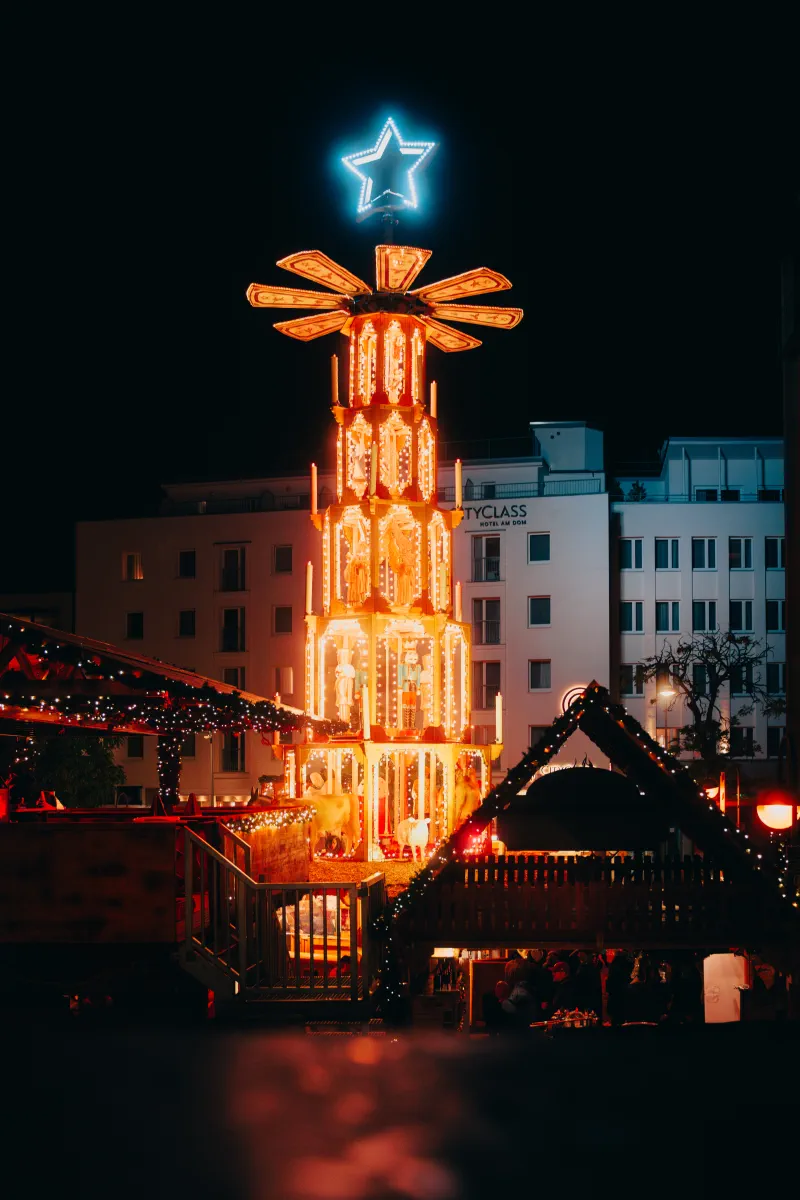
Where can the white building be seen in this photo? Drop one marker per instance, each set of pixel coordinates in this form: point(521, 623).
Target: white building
point(217, 583)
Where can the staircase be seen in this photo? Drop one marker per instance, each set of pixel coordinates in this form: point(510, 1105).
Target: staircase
point(254, 943)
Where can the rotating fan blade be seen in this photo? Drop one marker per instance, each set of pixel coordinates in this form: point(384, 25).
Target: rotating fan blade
point(262, 295)
point(478, 314)
point(305, 329)
point(448, 339)
point(314, 265)
point(471, 283)
point(396, 267)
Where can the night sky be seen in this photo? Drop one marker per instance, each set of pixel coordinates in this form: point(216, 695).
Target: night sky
point(641, 216)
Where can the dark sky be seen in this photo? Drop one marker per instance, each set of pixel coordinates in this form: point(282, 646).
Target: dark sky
point(640, 214)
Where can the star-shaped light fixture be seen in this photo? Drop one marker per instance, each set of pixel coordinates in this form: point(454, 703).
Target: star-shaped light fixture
point(387, 172)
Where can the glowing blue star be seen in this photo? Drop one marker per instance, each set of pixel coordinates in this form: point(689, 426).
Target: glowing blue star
point(387, 171)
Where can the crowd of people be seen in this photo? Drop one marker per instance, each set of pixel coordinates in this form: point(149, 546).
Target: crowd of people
point(618, 988)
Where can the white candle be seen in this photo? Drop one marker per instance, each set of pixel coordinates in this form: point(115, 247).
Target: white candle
point(458, 483)
point(334, 379)
point(365, 712)
point(498, 718)
point(373, 469)
point(309, 586)
point(434, 399)
point(458, 600)
point(313, 487)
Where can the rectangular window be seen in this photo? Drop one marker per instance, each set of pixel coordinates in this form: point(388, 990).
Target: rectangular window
point(485, 622)
point(232, 756)
point(536, 733)
point(704, 554)
point(668, 738)
point(232, 575)
point(132, 567)
point(189, 746)
point(630, 554)
point(235, 677)
point(776, 616)
point(282, 618)
point(186, 623)
point(667, 554)
point(539, 674)
point(134, 626)
point(742, 679)
point(668, 617)
point(284, 681)
point(538, 610)
point(770, 494)
point(740, 554)
point(742, 741)
point(775, 735)
point(485, 559)
point(776, 678)
point(187, 564)
point(489, 491)
point(631, 616)
point(741, 616)
point(282, 562)
point(135, 746)
point(631, 680)
point(729, 494)
point(775, 552)
point(700, 679)
point(485, 684)
point(705, 495)
point(232, 629)
point(704, 616)
point(538, 547)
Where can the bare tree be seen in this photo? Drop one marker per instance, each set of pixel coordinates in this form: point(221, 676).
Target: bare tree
point(701, 670)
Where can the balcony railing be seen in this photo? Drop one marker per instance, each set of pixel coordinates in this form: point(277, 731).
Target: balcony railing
point(485, 570)
point(708, 496)
point(486, 633)
point(522, 491)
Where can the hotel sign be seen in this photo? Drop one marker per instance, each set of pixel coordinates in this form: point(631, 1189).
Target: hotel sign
point(496, 516)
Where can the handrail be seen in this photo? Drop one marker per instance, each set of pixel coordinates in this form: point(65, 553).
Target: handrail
point(243, 845)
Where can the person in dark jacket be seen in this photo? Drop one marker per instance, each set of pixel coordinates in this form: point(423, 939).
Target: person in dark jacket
point(619, 977)
point(565, 996)
point(588, 986)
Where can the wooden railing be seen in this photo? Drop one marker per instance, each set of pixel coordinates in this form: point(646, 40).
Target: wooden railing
point(633, 901)
point(265, 941)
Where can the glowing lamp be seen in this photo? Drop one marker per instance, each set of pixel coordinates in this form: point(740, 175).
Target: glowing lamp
point(776, 809)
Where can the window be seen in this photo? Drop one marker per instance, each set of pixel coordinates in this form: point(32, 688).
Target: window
point(484, 735)
point(284, 681)
point(775, 552)
point(134, 625)
point(232, 756)
point(741, 616)
point(729, 494)
point(282, 562)
point(630, 616)
point(539, 674)
point(668, 738)
point(536, 733)
point(700, 679)
point(486, 622)
point(742, 745)
point(742, 679)
point(705, 495)
point(234, 676)
point(485, 559)
point(776, 678)
point(775, 736)
point(189, 746)
point(630, 554)
point(631, 680)
point(132, 567)
point(233, 569)
point(538, 610)
point(740, 554)
point(704, 616)
point(538, 547)
point(667, 616)
point(776, 616)
point(775, 494)
point(489, 492)
point(667, 554)
point(485, 684)
point(704, 554)
point(186, 626)
point(187, 564)
point(135, 746)
point(232, 629)
point(282, 618)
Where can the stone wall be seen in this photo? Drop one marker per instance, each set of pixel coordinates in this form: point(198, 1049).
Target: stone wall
point(280, 855)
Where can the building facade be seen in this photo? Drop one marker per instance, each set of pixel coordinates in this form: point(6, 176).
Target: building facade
point(561, 580)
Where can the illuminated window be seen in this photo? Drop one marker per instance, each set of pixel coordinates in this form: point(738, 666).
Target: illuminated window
point(394, 355)
point(132, 567)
